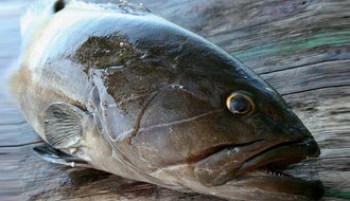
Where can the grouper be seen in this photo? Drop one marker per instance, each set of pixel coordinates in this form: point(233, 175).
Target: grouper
point(114, 87)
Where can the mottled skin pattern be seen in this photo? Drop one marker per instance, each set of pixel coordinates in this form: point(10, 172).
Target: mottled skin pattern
point(155, 96)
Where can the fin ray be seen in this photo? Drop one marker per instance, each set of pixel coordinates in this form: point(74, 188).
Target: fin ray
point(63, 126)
point(52, 155)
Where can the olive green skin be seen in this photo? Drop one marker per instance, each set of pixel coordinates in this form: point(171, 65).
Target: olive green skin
point(157, 94)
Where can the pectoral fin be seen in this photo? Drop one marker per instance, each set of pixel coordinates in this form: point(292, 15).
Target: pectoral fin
point(53, 155)
point(63, 125)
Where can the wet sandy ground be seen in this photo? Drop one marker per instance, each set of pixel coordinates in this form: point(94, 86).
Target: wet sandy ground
point(301, 47)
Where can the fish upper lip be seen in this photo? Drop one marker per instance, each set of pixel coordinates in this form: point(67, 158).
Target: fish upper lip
point(230, 163)
point(269, 158)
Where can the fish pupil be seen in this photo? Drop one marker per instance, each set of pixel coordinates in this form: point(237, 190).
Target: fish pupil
point(239, 105)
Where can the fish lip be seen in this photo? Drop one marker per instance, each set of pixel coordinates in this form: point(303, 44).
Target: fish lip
point(228, 164)
point(306, 148)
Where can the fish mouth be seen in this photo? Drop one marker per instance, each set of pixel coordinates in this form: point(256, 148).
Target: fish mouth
point(260, 165)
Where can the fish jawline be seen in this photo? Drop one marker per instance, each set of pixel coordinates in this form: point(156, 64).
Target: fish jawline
point(274, 183)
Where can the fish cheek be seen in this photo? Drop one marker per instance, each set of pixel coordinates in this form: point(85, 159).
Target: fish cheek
point(156, 148)
point(158, 140)
point(164, 146)
point(188, 142)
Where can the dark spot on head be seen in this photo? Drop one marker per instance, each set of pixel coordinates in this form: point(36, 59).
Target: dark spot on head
point(103, 52)
point(59, 5)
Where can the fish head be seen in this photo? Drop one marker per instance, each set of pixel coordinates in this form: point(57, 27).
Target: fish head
point(225, 125)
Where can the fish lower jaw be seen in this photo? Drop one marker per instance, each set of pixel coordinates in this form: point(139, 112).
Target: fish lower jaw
point(278, 181)
point(280, 186)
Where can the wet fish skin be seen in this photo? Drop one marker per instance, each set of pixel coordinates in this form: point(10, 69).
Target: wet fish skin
point(130, 93)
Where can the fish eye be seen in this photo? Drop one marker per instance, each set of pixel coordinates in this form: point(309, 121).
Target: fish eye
point(240, 103)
